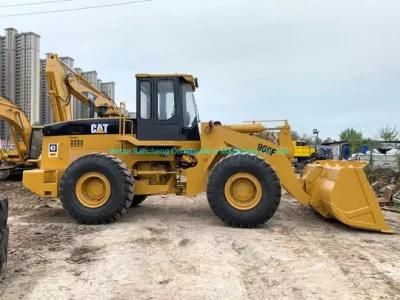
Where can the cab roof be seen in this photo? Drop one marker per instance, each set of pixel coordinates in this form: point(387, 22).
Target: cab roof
point(187, 77)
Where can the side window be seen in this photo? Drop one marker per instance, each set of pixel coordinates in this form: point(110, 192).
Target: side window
point(36, 144)
point(166, 107)
point(145, 100)
point(189, 106)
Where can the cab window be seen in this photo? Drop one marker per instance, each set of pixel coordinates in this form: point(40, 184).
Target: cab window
point(166, 105)
point(145, 100)
point(189, 106)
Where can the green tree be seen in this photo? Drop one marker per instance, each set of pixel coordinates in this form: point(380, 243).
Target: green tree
point(372, 144)
point(388, 133)
point(353, 137)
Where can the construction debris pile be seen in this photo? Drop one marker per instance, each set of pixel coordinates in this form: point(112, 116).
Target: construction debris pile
point(386, 184)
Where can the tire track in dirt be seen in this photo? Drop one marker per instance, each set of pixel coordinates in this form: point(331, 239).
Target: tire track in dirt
point(174, 247)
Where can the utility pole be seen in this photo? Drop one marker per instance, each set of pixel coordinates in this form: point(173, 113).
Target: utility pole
point(316, 133)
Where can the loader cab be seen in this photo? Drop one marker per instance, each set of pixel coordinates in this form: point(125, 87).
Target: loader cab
point(166, 107)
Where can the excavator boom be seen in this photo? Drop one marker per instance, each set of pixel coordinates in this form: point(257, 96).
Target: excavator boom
point(21, 130)
point(64, 82)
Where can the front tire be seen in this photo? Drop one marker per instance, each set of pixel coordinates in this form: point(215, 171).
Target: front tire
point(97, 189)
point(243, 190)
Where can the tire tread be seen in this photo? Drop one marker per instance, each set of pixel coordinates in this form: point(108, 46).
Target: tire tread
point(128, 188)
point(235, 161)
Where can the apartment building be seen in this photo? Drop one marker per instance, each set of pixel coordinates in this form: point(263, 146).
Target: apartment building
point(20, 73)
point(108, 88)
point(23, 79)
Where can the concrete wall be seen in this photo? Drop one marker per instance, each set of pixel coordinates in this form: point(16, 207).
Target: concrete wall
point(382, 161)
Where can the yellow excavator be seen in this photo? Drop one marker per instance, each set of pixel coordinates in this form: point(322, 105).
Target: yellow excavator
point(63, 82)
point(100, 167)
point(26, 138)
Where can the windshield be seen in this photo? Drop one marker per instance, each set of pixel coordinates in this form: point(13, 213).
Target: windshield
point(190, 114)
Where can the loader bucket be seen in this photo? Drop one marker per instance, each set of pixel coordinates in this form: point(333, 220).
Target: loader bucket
point(340, 190)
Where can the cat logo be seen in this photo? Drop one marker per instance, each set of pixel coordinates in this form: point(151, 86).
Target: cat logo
point(53, 150)
point(99, 128)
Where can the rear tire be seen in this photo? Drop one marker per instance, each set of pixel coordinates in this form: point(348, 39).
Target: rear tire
point(3, 212)
point(243, 190)
point(137, 199)
point(97, 189)
point(4, 234)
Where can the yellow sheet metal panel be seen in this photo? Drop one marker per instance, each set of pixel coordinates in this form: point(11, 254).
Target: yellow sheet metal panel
point(41, 182)
point(341, 190)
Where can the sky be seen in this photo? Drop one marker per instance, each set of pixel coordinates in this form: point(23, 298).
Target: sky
point(325, 64)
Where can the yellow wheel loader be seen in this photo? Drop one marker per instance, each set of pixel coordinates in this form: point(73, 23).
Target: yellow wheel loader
point(100, 167)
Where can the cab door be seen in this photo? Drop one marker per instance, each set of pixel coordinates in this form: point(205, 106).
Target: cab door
point(159, 109)
point(166, 110)
point(144, 110)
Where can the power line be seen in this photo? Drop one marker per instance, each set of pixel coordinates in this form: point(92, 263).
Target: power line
point(35, 3)
point(74, 9)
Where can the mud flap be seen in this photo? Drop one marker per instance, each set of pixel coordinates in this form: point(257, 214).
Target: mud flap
point(340, 190)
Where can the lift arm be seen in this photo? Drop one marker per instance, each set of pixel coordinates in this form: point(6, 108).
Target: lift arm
point(20, 126)
point(336, 189)
point(64, 82)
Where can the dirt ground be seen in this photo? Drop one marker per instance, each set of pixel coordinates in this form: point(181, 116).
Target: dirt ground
point(175, 248)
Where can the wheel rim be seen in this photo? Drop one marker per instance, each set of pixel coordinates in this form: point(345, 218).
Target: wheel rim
point(93, 190)
point(243, 191)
